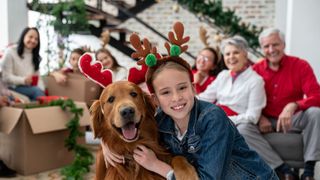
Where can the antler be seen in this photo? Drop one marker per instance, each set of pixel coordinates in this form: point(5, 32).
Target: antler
point(203, 36)
point(95, 72)
point(142, 49)
point(176, 38)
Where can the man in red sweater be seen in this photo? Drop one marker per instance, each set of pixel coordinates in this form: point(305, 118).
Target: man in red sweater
point(293, 101)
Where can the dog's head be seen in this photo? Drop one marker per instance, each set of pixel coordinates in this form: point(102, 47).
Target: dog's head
point(121, 108)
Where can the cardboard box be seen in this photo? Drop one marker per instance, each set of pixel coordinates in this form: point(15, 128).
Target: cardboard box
point(32, 140)
point(77, 88)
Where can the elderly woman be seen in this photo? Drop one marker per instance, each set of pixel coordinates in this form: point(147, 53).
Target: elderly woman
point(239, 91)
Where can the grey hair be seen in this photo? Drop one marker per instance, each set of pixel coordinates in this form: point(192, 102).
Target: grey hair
point(269, 31)
point(237, 41)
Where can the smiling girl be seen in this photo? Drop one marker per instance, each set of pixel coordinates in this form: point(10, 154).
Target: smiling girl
point(198, 130)
point(109, 61)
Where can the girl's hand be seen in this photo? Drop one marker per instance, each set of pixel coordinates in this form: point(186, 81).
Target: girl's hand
point(59, 77)
point(110, 157)
point(147, 159)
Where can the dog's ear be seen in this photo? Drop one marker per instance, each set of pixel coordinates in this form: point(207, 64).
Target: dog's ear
point(150, 104)
point(96, 118)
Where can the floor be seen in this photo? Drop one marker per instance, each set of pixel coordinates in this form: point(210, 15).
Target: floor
point(55, 175)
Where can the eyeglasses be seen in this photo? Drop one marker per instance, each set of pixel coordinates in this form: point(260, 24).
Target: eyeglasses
point(203, 58)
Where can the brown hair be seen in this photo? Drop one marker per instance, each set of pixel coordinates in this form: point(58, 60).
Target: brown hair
point(217, 61)
point(115, 62)
point(170, 62)
point(78, 51)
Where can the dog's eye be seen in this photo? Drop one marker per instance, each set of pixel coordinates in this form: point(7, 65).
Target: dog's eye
point(133, 94)
point(111, 99)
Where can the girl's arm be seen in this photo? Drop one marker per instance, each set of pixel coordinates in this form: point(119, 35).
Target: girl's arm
point(216, 144)
point(111, 158)
point(146, 158)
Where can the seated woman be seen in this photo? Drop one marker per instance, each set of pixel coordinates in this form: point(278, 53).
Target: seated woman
point(60, 75)
point(109, 61)
point(239, 91)
point(208, 65)
point(21, 65)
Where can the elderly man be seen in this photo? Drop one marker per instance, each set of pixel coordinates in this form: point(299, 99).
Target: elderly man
point(293, 101)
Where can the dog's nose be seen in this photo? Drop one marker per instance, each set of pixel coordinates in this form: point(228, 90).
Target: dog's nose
point(127, 112)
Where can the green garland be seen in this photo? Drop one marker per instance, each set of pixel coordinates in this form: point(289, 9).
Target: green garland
point(70, 16)
point(226, 20)
point(83, 158)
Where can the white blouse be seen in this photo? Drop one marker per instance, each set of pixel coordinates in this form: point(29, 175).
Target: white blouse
point(246, 95)
point(120, 74)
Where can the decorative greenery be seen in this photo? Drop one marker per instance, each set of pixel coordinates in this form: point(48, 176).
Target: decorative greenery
point(83, 158)
point(227, 21)
point(70, 16)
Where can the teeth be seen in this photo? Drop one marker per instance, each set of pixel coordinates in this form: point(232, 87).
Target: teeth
point(178, 107)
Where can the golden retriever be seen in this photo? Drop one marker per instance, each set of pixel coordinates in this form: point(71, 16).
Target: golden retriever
point(123, 118)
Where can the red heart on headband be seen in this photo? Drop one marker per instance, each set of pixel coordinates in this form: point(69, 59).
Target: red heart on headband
point(136, 75)
point(94, 71)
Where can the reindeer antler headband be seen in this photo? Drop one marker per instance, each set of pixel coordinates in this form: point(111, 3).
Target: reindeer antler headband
point(218, 38)
point(149, 56)
point(149, 59)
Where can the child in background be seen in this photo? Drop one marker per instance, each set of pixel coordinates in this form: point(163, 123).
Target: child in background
point(109, 61)
point(60, 76)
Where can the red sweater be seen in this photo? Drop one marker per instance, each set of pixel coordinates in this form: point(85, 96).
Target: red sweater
point(202, 87)
point(293, 82)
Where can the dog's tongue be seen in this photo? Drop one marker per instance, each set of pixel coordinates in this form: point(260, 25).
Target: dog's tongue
point(129, 131)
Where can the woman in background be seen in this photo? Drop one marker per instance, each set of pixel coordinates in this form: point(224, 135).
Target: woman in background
point(20, 69)
point(239, 91)
point(207, 67)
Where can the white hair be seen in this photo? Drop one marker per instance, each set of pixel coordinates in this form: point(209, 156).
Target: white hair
point(237, 41)
point(269, 31)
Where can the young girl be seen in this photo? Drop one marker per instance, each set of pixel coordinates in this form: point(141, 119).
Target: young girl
point(109, 61)
point(21, 65)
point(206, 69)
point(197, 130)
point(60, 76)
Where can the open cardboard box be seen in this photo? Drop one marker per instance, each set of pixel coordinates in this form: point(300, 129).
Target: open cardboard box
point(77, 88)
point(32, 140)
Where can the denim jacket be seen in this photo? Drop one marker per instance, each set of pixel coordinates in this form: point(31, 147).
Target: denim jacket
point(213, 145)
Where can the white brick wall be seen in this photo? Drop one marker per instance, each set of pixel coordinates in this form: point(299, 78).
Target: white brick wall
point(258, 12)
point(162, 15)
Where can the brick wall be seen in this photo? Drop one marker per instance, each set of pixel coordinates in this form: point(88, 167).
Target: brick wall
point(163, 14)
point(258, 12)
